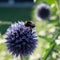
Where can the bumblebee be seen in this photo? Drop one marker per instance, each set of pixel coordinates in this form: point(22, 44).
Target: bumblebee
point(30, 24)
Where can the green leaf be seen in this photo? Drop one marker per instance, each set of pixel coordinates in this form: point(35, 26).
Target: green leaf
point(50, 1)
point(46, 38)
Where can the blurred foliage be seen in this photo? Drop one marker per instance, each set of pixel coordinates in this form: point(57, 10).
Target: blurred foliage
point(48, 31)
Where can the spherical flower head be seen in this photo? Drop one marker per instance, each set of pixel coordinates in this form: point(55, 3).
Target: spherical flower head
point(43, 12)
point(20, 40)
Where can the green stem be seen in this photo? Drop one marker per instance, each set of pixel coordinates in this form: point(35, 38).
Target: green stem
point(58, 9)
point(21, 57)
point(49, 52)
point(51, 48)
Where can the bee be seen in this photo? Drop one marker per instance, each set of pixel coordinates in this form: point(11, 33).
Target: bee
point(30, 24)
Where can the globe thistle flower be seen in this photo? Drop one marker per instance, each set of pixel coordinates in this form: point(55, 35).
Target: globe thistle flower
point(43, 12)
point(20, 40)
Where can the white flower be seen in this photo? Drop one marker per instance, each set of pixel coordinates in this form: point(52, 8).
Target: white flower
point(2, 41)
point(3, 53)
point(2, 58)
point(54, 54)
point(58, 37)
point(34, 1)
point(50, 36)
point(57, 41)
point(52, 5)
point(34, 57)
point(42, 33)
point(49, 25)
point(53, 18)
point(52, 30)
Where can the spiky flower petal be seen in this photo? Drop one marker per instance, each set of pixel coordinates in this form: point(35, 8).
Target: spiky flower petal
point(43, 12)
point(20, 40)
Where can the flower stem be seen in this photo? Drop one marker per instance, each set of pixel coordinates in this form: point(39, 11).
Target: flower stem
point(21, 57)
point(58, 9)
point(49, 52)
point(51, 48)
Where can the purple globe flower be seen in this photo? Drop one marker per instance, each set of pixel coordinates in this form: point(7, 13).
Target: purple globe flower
point(43, 12)
point(20, 40)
